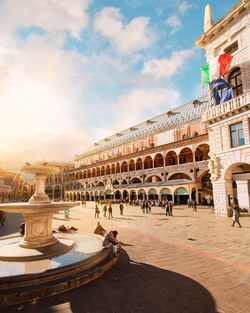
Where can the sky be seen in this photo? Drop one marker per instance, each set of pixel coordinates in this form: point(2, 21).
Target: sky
point(74, 72)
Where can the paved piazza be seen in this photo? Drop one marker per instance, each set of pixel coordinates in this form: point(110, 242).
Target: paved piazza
point(191, 262)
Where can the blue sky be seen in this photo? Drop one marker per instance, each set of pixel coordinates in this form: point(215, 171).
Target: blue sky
point(73, 72)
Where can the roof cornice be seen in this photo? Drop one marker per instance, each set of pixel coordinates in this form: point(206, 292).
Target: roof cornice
point(220, 25)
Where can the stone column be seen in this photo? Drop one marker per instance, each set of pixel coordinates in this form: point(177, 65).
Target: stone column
point(221, 190)
point(243, 194)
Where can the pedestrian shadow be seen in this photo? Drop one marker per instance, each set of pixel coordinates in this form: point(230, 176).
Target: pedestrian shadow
point(122, 218)
point(65, 219)
point(136, 215)
point(130, 286)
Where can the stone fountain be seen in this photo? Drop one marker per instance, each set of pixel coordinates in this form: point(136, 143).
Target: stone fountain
point(42, 257)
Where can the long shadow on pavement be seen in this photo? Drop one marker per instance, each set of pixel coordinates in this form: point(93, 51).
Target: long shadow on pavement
point(129, 287)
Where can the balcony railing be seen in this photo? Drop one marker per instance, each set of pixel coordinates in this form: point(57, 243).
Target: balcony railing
point(226, 109)
point(153, 171)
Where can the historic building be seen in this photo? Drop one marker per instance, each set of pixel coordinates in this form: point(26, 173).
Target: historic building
point(4, 190)
point(54, 185)
point(164, 157)
point(175, 154)
point(12, 187)
point(228, 123)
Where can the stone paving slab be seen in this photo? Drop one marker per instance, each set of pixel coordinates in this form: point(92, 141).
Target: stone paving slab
point(160, 269)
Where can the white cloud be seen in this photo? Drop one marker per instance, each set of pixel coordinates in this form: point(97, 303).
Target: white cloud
point(166, 67)
point(174, 22)
point(127, 38)
point(136, 105)
point(184, 6)
point(51, 15)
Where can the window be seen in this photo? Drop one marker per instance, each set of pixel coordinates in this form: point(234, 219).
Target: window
point(237, 135)
point(232, 48)
point(235, 81)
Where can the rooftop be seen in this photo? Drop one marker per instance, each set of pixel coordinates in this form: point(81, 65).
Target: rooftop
point(189, 112)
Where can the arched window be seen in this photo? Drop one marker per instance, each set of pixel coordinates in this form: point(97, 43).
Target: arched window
point(235, 81)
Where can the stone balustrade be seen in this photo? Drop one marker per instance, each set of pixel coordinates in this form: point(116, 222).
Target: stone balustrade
point(226, 109)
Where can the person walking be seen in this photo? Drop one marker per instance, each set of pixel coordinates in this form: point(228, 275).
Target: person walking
point(194, 205)
point(143, 207)
point(170, 204)
point(105, 210)
point(167, 208)
point(236, 216)
point(110, 210)
point(121, 208)
point(97, 211)
point(147, 205)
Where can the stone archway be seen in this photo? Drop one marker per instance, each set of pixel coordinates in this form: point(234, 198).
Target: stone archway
point(181, 195)
point(165, 194)
point(237, 177)
point(152, 194)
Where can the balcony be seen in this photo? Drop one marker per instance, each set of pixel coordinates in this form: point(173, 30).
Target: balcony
point(227, 109)
point(203, 165)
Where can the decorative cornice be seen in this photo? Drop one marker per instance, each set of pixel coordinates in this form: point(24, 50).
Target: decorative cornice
point(219, 27)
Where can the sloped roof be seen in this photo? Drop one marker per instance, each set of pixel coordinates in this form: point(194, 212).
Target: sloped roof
point(181, 116)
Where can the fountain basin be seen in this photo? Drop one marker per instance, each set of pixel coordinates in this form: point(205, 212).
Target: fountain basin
point(38, 223)
point(28, 281)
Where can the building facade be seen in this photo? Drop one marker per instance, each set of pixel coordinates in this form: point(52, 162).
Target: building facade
point(228, 123)
point(164, 157)
point(12, 187)
point(54, 184)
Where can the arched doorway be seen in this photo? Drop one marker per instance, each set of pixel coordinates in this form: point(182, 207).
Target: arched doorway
point(125, 195)
point(148, 162)
point(185, 156)
point(171, 158)
point(158, 160)
point(124, 167)
point(133, 195)
point(101, 195)
point(152, 194)
point(87, 196)
point(238, 185)
point(132, 165)
point(139, 164)
point(201, 153)
point(181, 195)
point(165, 194)
point(118, 195)
point(142, 195)
point(109, 194)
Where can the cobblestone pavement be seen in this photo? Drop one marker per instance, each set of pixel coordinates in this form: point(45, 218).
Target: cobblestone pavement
point(190, 262)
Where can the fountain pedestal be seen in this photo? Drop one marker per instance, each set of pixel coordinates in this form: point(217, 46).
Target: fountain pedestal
point(38, 231)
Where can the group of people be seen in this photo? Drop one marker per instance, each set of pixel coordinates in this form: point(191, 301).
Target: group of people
point(146, 207)
point(169, 208)
point(105, 210)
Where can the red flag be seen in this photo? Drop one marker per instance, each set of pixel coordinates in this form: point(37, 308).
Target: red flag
point(224, 62)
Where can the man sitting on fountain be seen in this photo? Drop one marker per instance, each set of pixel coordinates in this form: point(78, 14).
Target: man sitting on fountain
point(99, 230)
point(111, 240)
